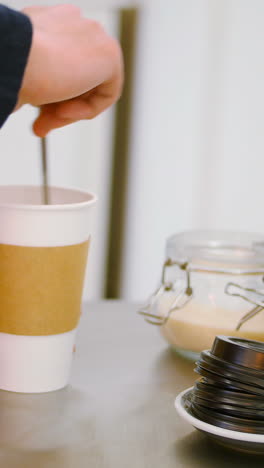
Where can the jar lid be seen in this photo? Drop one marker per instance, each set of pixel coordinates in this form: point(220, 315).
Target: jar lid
point(240, 351)
point(219, 251)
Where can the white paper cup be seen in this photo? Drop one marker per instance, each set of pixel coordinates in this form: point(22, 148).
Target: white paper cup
point(42, 264)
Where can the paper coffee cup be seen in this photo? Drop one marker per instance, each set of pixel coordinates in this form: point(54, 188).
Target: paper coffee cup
point(43, 254)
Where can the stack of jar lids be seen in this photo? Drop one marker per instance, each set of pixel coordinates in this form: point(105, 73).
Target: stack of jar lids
point(230, 393)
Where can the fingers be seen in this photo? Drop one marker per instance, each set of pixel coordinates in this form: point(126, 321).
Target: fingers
point(92, 103)
point(49, 120)
point(84, 107)
point(59, 115)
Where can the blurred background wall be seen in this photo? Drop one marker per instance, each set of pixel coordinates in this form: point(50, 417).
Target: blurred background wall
point(183, 149)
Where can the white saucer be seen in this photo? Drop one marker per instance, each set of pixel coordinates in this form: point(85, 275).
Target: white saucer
point(242, 441)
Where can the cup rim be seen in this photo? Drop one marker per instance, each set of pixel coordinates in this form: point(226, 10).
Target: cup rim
point(91, 199)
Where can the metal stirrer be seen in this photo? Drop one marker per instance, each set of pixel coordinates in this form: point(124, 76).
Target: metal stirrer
point(45, 185)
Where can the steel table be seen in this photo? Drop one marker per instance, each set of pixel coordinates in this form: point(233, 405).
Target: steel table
point(117, 412)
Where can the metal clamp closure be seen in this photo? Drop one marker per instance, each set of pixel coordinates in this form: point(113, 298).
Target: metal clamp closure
point(181, 299)
point(233, 289)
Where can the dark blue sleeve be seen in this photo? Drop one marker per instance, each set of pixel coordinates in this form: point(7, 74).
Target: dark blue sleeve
point(15, 43)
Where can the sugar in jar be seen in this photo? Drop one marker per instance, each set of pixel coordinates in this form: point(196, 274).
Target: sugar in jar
point(212, 284)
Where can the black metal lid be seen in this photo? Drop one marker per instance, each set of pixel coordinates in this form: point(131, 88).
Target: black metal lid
point(227, 372)
point(228, 397)
point(229, 409)
point(226, 421)
point(239, 351)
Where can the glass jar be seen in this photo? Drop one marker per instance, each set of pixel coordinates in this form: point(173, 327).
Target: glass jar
point(212, 284)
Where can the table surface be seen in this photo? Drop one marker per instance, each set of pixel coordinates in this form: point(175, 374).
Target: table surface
point(118, 411)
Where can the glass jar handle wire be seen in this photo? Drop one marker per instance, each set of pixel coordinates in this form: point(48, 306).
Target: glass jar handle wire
point(236, 290)
point(181, 299)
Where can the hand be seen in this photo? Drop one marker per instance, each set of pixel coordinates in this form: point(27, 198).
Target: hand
point(74, 69)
